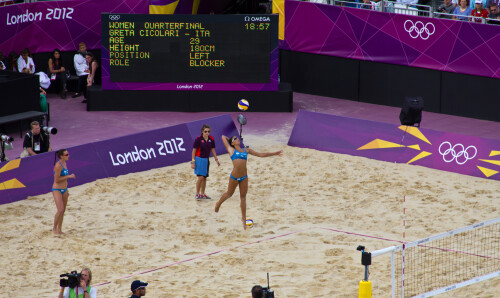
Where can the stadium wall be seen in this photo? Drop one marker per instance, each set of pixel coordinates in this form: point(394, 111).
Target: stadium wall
point(373, 57)
point(158, 148)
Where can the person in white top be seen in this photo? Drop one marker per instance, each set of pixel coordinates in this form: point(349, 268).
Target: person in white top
point(25, 62)
point(82, 69)
point(2, 66)
point(84, 290)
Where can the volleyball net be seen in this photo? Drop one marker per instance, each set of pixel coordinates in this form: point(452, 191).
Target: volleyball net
point(445, 262)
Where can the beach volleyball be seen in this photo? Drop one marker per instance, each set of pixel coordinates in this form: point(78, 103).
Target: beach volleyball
point(243, 104)
point(249, 222)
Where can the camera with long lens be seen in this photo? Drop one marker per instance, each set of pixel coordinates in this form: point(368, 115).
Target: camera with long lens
point(6, 138)
point(49, 130)
point(266, 291)
point(72, 280)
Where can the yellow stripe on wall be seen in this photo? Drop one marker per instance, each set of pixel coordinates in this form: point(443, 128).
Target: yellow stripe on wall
point(163, 9)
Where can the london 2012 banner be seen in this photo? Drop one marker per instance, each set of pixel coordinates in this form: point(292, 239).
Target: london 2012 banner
point(440, 44)
point(44, 26)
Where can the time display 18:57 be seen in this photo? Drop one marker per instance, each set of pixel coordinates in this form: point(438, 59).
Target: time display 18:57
point(257, 26)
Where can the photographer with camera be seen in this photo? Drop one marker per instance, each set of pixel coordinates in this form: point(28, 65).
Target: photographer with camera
point(77, 285)
point(37, 140)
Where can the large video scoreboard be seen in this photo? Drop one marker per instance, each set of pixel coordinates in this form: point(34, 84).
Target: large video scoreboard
point(189, 52)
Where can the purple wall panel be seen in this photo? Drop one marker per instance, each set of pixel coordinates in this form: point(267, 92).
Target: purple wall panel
point(440, 44)
point(462, 154)
point(36, 172)
point(58, 24)
point(145, 151)
point(110, 158)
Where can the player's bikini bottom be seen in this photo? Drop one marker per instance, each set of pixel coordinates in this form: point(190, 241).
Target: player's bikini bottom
point(62, 191)
point(238, 179)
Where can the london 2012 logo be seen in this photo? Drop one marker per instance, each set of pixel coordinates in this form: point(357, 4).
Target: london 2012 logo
point(114, 17)
point(418, 29)
point(457, 153)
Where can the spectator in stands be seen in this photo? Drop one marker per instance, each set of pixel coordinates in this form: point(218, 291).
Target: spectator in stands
point(93, 65)
point(479, 12)
point(494, 14)
point(464, 11)
point(36, 141)
point(2, 58)
point(43, 100)
point(82, 69)
point(489, 2)
point(84, 289)
point(367, 4)
point(138, 288)
point(58, 71)
point(25, 62)
point(446, 7)
point(12, 61)
point(257, 291)
point(6, 3)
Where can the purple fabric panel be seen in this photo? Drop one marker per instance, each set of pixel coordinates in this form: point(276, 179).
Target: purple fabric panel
point(346, 135)
point(37, 173)
point(441, 44)
point(219, 125)
point(145, 151)
point(70, 21)
point(110, 158)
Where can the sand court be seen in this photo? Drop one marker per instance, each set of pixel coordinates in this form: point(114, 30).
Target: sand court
point(311, 210)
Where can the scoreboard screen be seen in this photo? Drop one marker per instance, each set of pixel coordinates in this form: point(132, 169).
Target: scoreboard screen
point(201, 49)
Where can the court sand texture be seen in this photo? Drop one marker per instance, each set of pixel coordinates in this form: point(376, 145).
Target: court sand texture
point(121, 227)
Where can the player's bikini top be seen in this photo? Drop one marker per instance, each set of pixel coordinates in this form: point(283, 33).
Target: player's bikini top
point(64, 172)
point(239, 155)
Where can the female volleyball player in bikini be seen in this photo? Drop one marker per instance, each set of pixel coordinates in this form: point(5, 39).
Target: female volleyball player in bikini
point(60, 189)
point(238, 176)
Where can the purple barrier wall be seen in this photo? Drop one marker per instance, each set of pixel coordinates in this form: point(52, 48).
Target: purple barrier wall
point(440, 44)
point(31, 176)
point(44, 26)
point(424, 147)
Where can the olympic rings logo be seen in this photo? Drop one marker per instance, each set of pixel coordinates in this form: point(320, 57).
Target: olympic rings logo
point(114, 17)
point(461, 156)
point(419, 29)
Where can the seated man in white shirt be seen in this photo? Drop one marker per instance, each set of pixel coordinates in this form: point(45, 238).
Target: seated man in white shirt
point(25, 62)
point(82, 69)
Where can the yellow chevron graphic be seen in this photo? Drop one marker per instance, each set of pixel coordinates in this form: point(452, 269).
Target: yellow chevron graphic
point(378, 143)
point(487, 172)
point(495, 162)
point(494, 153)
point(416, 147)
point(10, 184)
point(13, 164)
point(419, 156)
point(414, 131)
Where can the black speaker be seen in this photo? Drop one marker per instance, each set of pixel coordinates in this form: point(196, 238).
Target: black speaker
point(411, 113)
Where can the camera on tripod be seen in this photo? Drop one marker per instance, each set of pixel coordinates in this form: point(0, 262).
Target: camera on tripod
point(72, 280)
